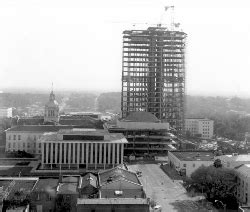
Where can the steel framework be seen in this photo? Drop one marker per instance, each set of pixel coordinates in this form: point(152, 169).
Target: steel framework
point(153, 74)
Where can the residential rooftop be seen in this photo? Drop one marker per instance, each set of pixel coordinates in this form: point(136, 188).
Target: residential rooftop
point(118, 174)
point(112, 201)
point(194, 155)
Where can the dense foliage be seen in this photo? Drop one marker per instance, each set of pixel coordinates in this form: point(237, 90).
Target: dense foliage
point(216, 184)
point(110, 102)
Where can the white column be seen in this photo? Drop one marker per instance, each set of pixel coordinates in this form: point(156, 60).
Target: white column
point(91, 153)
point(113, 154)
point(42, 144)
point(69, 154)
point(56, 153)
point(87, 153)
point(60, 155)
point(100, 153)
point(47, 153)
point(74, 150)
point(65, 152)
point(83, 153)
point(51, 153)
point(104, 157)
point(109, 151)
point(122, 153)
point(78, 153)
point(117, 153)
point(96, 145)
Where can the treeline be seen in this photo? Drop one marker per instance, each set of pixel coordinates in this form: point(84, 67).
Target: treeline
point(82, 101)
point(22, 100)
point(110, 102)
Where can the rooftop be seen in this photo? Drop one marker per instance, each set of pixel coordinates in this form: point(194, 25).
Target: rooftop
point(89, 179)
point(244, 169)
point(236, 158)
point(38, 128)
point(46, 184)
point(112, 201)
point(141, 116)
point(84, 135)
point(194, 155)
point(118, 173)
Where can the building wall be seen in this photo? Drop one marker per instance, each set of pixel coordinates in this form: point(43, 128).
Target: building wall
point(190, 166)
point(23, 141)
point(43, 201)
point(74, 153)
point(142, 125)
point(243, 188)
point(113, 208)
point(204, 127)
point(5, 112)
point(129, 190)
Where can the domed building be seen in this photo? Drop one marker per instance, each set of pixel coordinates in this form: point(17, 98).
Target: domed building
point(51, 113)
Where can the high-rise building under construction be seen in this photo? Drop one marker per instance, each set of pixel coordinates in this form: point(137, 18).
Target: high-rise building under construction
point(153, 74)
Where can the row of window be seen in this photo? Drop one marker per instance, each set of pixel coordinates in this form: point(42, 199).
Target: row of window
point(18, 137)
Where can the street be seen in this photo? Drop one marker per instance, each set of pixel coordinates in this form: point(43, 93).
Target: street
point(160, 188)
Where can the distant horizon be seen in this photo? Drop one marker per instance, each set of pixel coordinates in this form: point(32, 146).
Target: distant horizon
point(79, 90)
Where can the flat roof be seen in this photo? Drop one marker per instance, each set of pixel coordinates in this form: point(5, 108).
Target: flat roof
point(113, 201)
point(107, 137)
point(194, 155)
point(38, 128)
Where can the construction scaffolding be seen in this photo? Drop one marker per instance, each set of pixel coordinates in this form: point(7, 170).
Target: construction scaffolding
point(153, 74)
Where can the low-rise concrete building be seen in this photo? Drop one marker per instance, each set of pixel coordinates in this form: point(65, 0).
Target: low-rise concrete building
point(145, 134)
point(200, 127)
point(27, 138)
point(44, 195)
point(113, 205)
point(186, 162)
point(82, 149)
point(120, 183)
point(243, 181)
point(6, 112)
point(234, 160)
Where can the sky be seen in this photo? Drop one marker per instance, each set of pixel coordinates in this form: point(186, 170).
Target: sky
point(77, 44)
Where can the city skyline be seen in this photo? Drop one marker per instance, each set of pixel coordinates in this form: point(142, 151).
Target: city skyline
point(79, 46)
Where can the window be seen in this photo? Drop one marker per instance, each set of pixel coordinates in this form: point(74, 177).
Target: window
point(14, 145)
point(194, 165)
point(39, 145)
point(24, 145)
point(184, 165)
point(38, 197)
point(9, 137)
point(19, 137)
point(49, 197)
point(8, 145)
point(14, 137)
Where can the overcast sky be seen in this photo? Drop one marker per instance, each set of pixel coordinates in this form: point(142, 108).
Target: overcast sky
point(78, 44)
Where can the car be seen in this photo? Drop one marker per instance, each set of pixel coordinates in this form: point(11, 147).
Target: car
point(157, 208)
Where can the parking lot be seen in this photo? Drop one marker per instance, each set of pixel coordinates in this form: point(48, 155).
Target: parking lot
point(168, 193)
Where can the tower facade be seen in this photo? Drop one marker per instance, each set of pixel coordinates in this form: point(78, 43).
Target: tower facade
point(153, 74)
point(51, 113)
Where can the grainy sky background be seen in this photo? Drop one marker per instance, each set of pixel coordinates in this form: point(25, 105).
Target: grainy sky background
point(77, 44)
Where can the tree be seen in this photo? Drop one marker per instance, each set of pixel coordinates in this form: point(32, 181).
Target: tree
point(217, 184)
point(217, 163)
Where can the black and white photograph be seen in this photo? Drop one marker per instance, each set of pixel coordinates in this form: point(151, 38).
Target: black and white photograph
point(124, 105)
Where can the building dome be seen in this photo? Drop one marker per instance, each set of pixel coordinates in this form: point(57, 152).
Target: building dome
point(51, 109)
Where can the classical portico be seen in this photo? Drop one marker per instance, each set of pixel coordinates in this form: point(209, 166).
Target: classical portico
point(87, 149)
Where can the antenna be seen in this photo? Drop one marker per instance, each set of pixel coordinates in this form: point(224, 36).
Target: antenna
point(52, 87)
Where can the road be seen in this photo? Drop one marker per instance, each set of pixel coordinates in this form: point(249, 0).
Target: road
point(159, 187)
